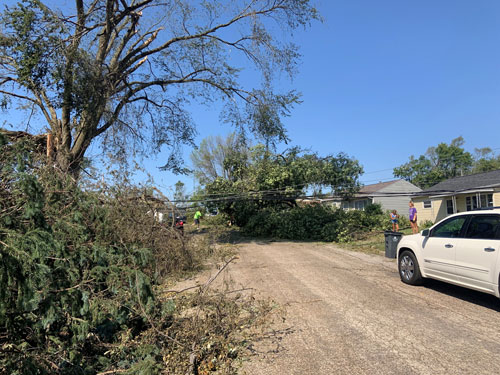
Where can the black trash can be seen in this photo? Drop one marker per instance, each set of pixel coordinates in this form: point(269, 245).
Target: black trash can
point(391, 243)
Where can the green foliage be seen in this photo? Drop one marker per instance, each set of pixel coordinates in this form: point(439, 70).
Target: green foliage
point(219, 157)
point(65, 279)
point(264, 179)
point(425, 224)
point(36, 41)
point(217, 220)
point(128, 71)
point(80, 274)
point(318, 223)
point(485, 160)
point(180, 193)
point(446, 161)
point(374, 209)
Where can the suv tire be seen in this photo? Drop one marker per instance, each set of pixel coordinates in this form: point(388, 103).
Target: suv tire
point(409, 270)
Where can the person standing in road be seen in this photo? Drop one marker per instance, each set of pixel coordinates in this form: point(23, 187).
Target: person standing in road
point(413, 218)
point(197, 217)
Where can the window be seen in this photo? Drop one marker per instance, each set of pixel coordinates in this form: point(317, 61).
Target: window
point(484, 227)
point(449, 207)
point(486, 200)
point(471, 203)
point(360, 204)
point(427, 204)
point(450, 228)
point(348, 205)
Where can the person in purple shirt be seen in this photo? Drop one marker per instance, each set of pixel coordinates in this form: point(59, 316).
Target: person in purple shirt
point(413, 218)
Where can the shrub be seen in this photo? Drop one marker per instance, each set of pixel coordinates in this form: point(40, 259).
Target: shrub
point(220, 219)
point(374, 209)
point(426, 224)
point(404, 222)
point(319, 222)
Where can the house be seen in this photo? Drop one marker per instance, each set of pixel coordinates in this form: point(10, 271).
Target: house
point(458, 194)
point(392, 195)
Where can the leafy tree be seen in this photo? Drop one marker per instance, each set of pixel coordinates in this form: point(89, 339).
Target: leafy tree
point(485, 160)
point(215, 157)
point(180, 191)
point(268, 179)
point(438, 164)
point(122, 73)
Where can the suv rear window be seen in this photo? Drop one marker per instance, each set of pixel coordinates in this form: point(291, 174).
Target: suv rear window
point(485, 227)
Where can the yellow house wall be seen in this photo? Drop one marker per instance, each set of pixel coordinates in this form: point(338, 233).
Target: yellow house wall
point(441, 212)
point(496, 198)
point(438, 210)
point(461, 206)
point(434, 213)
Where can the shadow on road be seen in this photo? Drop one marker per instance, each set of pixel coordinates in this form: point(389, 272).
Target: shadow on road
point(468, 295)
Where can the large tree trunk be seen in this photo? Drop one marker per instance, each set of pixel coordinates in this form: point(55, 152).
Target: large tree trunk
point(66, 163)
point(51, 149)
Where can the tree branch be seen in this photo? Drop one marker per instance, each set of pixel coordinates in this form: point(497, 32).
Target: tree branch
point(129, 59)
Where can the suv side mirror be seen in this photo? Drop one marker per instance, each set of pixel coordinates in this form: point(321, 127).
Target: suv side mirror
point(425, 233)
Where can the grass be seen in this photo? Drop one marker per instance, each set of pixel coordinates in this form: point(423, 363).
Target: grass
point(371, 243)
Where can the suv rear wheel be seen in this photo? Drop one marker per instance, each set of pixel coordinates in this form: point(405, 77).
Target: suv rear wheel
point(409, 270)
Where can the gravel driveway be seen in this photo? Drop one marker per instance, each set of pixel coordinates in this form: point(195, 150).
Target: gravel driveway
point(348, 313)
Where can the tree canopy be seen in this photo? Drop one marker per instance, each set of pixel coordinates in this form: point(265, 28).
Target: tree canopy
point(485, 160)
point(446, 161)
point(260, 177)
point(215, 157)
point(124, 72)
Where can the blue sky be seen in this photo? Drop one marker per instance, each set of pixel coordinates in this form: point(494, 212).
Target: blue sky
point(382, 80)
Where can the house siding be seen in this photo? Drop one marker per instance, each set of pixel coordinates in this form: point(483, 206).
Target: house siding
point(401, 190)
point(461, 202)
point(496, 198)
point(398, 203)
point(438, 211)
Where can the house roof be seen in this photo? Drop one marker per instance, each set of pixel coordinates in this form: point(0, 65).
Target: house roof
point(373, 188)
point(400, 188)
point(464, 183)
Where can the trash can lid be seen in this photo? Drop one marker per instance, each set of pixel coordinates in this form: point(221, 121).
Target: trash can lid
point(391, 233)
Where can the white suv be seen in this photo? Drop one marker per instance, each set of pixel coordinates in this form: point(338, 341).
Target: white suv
point(461, 249)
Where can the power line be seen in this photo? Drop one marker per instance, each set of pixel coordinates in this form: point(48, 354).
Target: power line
point(382, 170)
point(294, 189)
point(380, 180)
point(265, 195)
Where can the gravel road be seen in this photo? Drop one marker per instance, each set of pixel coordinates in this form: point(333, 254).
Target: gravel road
point(348, 313)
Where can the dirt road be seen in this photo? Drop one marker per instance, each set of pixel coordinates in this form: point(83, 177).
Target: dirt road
point(348, 313)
